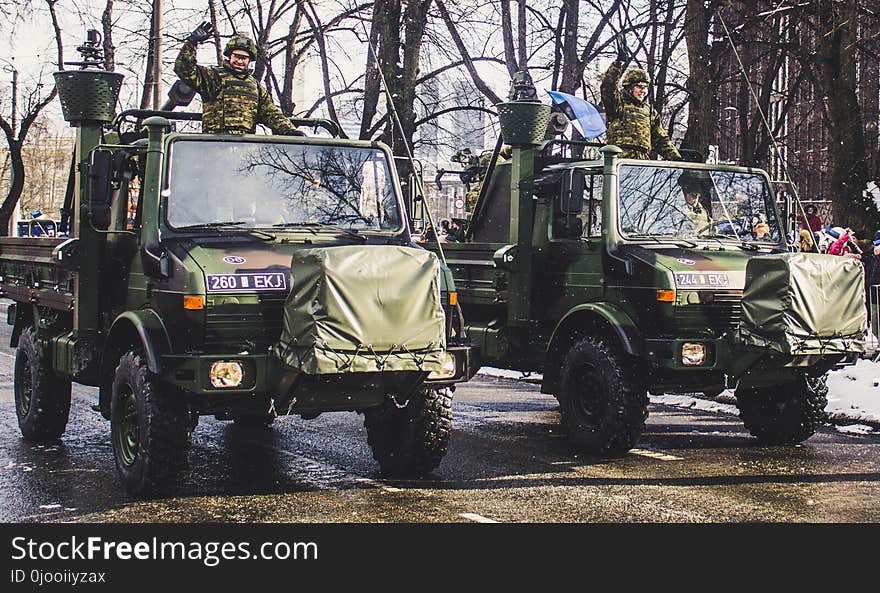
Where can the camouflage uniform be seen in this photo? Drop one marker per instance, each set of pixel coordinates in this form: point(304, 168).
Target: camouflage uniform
point(698, 219)
point(632, 122)
point(233, 102)
point(474, 193)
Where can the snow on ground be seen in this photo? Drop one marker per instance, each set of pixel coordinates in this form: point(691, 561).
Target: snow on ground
point(853, 396)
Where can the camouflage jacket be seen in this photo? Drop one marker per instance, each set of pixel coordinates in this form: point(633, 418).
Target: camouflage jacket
point(633, 123)
point(232, 102)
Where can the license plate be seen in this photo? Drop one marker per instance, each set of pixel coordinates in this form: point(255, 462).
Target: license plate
point(248, 282)
point(702, 280)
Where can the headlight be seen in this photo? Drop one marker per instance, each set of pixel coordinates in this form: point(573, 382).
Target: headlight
point(693, 354)
point(225, 374)
point(447, 371)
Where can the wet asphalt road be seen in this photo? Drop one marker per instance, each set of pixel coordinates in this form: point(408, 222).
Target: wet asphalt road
point(507, 462)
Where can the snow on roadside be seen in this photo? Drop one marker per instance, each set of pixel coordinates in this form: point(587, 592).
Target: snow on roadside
point(853, 396)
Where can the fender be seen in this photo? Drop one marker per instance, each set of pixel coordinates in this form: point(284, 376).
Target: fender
point(131, 327)
point(597, 315)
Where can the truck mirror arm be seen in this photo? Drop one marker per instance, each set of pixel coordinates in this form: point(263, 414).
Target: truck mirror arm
point(155, 264)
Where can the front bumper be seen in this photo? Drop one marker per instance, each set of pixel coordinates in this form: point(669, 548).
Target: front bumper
point(262, 374)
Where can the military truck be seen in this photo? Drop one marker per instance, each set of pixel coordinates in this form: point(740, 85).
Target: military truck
point(597, 272)
point(240, 276)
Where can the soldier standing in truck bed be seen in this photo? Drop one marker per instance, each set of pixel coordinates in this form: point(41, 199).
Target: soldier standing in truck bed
point(631, 122)
point(233, 101)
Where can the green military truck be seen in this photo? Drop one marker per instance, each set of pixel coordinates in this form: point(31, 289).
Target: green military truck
point(615, 278)
point(243, 277)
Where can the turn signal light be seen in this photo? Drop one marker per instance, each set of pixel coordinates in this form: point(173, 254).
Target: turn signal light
point(193, 302)
point(453, 298)
point(666, 296)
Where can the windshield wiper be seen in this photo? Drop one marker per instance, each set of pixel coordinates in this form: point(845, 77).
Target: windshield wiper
point(739, 242)
point(312, 225)
point(210, 225)
point(675, 240)
point(232, 224)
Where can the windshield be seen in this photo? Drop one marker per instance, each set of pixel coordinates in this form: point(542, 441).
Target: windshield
point(261, 184)
point(689, 203)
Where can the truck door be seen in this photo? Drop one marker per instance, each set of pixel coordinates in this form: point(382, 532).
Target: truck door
point(575, 266)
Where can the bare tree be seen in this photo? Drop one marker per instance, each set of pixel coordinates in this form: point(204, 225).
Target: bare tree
point(34, 103)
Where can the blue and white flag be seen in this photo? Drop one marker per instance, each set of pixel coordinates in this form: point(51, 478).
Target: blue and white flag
point(583, 115)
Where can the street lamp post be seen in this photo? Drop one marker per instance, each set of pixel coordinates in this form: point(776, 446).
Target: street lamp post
point(10, 67)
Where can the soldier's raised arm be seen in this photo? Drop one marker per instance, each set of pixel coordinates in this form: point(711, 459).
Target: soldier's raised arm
point(186, 67)
point(610, 90)
point(269, 115)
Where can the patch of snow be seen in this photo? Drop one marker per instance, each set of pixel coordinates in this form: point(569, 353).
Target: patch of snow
point(855, 429)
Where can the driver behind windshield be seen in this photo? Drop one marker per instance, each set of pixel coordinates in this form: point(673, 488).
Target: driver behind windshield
point(697, 220)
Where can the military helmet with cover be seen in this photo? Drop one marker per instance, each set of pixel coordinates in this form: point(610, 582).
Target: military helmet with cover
point(243, 43)
point(634, 76)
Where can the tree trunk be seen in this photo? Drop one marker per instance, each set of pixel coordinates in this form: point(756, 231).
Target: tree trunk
point(16, 185)
point(291, 60)
point(212, 11)
point(372, 78)
point(847, 153)
point(507, 37)
point(107, 28)
point(702, 84)
point(570, 80)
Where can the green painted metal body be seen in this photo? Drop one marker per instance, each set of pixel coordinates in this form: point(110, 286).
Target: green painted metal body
point(105, 291)
point(529, 288)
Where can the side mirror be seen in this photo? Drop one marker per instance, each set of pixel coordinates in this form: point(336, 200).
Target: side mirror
point(179, 95)
point(155, 261)
point(100, 189)
point(571, 198)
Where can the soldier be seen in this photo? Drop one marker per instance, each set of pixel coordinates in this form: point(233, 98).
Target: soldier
point(696, 216)
point(479, 177)
point(233, 101)
point(631, 121)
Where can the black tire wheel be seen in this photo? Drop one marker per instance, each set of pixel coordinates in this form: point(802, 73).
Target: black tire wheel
point(254, 421)
point(411, 441)
point(150, 428)
point(784, 414)
point(42, 398)
point(602, 402)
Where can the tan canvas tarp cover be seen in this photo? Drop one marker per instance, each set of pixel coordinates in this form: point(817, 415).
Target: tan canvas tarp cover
point(804, 303)
point(363, 308)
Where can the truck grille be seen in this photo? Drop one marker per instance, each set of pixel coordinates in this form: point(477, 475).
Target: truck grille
point(259, 323)
point(722, 314)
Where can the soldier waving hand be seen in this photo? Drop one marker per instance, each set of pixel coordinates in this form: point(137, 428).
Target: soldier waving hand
point(233, 101)
point(632, 123)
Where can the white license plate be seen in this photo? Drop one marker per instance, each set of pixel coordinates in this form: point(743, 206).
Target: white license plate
point(248, 282)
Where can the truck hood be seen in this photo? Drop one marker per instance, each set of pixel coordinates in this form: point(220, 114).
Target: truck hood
point(697, 269)
point(243, 257)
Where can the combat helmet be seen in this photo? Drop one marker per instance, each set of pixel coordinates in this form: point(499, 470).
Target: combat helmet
point(243, 43)
point(634, 76)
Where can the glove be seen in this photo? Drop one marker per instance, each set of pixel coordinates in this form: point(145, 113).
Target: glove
point(201, 33)
point(622, 49)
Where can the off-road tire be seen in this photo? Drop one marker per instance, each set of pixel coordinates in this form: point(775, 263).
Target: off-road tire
point(254, 421)
point(42, 398)
point(411, 441)
point(602, 401)
point(784, 414)
point(150, 428)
